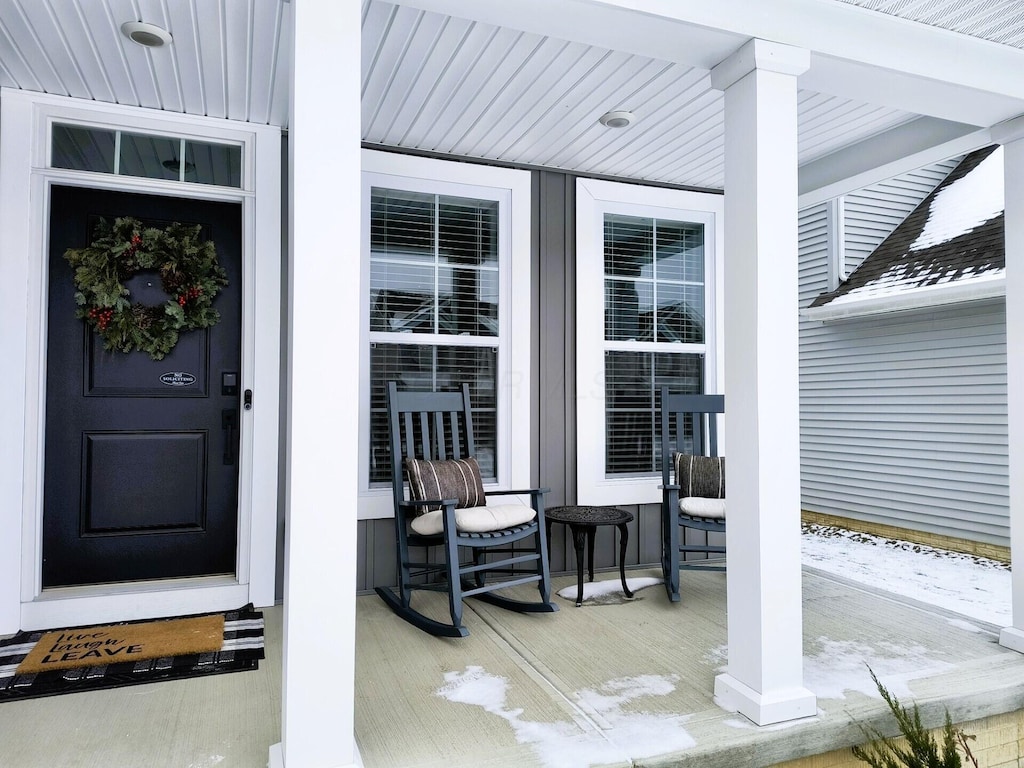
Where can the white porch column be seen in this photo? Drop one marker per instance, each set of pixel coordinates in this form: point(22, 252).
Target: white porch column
point(1011, 136)
point(320, 550)
point(764, 680)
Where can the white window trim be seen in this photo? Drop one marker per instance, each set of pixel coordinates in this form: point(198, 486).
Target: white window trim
point(512, 188)
point(594, 198)
point(24, 183)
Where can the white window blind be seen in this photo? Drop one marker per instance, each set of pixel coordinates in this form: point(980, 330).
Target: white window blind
point(653, 292)
point(434, 304)
point(633, 382)
point(654, 279)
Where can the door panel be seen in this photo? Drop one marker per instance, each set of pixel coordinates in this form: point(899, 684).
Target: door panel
point(141, 457)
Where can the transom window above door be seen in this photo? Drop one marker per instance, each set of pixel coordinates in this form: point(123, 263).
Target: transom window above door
point(124, 153)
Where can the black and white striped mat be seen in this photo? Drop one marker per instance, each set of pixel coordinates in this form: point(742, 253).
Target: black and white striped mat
point(242, 650)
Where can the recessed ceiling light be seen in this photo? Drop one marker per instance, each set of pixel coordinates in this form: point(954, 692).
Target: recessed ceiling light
point(149, 35)
point(618, 118)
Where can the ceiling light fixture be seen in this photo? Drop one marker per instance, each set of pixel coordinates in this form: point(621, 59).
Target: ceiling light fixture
point(618, 118)
point(174, 166)
point(148, 35)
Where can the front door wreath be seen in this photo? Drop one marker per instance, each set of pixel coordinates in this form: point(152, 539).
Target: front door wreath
point(189, 274)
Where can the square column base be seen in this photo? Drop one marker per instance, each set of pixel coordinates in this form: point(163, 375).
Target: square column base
point(1012, 638)
point(276, 759)
point(779, 707)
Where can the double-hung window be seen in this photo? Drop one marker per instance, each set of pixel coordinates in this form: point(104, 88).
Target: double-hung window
point(443, 266)
point(646, 318)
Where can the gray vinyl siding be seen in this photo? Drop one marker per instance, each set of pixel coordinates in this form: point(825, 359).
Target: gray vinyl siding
point(874, 212)
point(903, 416)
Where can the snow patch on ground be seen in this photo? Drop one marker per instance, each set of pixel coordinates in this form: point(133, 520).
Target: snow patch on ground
point(837, 667)
point(597, 589)
point(977, 587)
point(563, 745)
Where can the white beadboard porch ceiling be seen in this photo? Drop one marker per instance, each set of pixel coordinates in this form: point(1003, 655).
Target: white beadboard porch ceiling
point(438, 83)
point(228, 59)
point(441, 84)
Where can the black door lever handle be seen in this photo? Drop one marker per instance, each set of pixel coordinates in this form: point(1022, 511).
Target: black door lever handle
point(229, 423)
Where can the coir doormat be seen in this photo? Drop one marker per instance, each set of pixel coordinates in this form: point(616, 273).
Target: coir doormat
point(45, 663)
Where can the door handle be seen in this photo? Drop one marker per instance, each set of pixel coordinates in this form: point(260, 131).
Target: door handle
point(229, 423)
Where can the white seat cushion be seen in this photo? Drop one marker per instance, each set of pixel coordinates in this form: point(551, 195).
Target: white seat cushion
point(475, 519)
point(699, 506)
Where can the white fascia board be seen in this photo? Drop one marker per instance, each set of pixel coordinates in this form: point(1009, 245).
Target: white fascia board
point(899, 150)
point(929, 297)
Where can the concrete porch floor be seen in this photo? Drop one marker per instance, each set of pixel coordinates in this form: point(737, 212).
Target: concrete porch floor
point(625, 684)
point(631, 684)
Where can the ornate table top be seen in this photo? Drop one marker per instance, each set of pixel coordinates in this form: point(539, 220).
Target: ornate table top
point(584, 515)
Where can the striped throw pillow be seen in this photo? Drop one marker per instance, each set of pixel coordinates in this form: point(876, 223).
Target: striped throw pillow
point(700, 476)
point(453, 479)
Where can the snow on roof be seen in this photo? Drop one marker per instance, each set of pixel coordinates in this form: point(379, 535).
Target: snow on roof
point(964, 204)
point(955, 236)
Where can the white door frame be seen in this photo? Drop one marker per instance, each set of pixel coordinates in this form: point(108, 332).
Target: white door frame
point(25, 181)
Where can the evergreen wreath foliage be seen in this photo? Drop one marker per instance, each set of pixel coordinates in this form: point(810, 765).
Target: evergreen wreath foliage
point(921, 749)
point(188, 270)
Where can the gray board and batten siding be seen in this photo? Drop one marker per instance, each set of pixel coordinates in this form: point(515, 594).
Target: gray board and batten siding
point(903, 416)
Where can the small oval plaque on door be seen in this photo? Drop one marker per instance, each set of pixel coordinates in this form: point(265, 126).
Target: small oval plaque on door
point(178, 379)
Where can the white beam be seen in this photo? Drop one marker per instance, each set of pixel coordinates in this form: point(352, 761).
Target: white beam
point(764, 678)
point(850, 33)
point(318, 690)
point(857, 53)
point(1011, 136)
point(871, 83)
point(605, 25)
point(899, 150)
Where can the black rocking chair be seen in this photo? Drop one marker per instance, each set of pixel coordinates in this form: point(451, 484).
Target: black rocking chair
point(432, 436)
point(693, 482)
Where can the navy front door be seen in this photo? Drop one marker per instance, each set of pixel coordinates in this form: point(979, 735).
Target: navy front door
point(141, 457)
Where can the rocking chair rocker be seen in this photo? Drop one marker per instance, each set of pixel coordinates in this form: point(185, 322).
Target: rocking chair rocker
point(432, 435)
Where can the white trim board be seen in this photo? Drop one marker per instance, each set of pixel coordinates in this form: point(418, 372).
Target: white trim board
point(24, 190)
point(512, 188)
point(593, 199)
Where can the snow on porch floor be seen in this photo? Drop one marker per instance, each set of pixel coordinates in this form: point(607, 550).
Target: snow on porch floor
point(630, 682)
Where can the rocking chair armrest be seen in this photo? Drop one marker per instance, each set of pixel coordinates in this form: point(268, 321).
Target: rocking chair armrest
point(517, 493)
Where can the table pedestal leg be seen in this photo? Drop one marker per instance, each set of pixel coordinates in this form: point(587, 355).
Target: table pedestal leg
point(591, 535)
point(623, 538)
point(578, 535)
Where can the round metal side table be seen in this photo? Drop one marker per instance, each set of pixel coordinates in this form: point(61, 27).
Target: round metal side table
point(583, 522)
